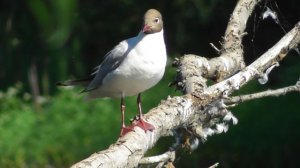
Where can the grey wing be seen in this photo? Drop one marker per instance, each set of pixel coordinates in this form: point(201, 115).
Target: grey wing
point(112, 60)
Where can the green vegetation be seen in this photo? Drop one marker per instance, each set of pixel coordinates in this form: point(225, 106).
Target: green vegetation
point(67, 128)
point(57, 135)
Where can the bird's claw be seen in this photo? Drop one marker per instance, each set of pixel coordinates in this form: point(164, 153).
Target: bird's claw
point(139, 122)
point(143, 125)
point(125, 130)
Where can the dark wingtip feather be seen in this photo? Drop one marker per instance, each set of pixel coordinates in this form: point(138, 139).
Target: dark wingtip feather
point(65, 83)
point(84, 90)
point(60, 84)
point(87, 89)
point(83, 82)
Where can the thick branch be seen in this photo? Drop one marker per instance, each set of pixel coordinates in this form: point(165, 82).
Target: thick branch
point(231, 60)
point(193, 70)
point(130, 148)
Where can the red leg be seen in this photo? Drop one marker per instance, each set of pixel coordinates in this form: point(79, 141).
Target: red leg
point(124, 129)
point(141, 122)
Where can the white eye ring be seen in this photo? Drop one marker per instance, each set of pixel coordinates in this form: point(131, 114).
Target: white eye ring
point(156, 20)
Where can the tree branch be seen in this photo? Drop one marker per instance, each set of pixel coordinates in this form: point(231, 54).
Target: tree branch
point(163, 158)
point(268, 93)
point(214, 165)
point(193, 71)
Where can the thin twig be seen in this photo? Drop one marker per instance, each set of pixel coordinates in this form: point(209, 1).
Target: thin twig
point(169, 155)
point(214, 165)
point(214, 47)
point(268, 93)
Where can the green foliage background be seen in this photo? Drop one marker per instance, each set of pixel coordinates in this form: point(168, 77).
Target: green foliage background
point(66, 39)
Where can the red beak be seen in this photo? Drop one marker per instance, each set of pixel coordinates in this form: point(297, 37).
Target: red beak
point(146, 28)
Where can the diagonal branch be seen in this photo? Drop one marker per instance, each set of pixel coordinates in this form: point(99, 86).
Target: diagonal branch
point(195, 70)
point(268, 93)
point(163, 158)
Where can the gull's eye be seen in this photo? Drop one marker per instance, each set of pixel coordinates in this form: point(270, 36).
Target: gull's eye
point(156, 20)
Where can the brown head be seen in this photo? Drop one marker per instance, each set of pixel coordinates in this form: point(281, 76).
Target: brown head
point(153, 22)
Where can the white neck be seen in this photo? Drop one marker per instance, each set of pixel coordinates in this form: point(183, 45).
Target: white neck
point(142, 35)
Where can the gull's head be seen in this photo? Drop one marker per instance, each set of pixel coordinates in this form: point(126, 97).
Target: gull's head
point(153, 22)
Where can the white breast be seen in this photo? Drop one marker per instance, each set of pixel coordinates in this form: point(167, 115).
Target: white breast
point(142, 68)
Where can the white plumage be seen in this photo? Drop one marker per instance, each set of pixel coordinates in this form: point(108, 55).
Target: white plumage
point(143, 64)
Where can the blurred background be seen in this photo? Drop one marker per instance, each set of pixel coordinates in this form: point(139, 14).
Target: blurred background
point(46, 41)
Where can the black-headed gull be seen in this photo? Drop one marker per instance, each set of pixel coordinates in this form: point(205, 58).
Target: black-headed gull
point(131, 67)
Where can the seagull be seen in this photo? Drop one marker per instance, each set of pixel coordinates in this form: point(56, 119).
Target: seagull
point(130, 68)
